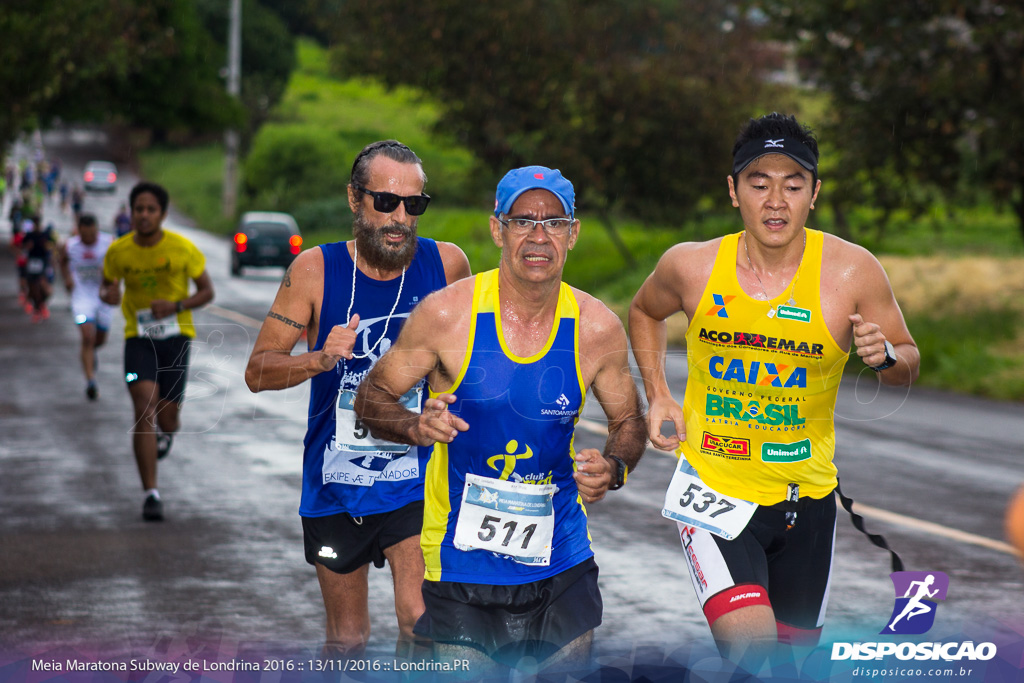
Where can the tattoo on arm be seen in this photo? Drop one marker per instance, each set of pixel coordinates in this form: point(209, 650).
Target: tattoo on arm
point(287, 282)
point(286, 321)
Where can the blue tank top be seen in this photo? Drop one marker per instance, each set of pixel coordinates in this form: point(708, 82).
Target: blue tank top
point(342, 471)
point(522, 413)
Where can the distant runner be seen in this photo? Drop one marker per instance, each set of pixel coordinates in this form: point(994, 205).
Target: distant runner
point(81, 266)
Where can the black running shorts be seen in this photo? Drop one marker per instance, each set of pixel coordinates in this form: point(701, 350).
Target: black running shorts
point(768, 564)
point(344, 543)
point(511, 622)
point(164, 361)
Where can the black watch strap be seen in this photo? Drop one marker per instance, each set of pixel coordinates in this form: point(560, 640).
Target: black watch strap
point(621, 472)
point(890, 359)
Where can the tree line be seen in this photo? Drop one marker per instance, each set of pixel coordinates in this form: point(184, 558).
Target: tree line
point(638, 102)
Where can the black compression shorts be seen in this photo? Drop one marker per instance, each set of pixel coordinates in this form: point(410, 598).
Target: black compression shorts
point(344, 543)
point(768, 564)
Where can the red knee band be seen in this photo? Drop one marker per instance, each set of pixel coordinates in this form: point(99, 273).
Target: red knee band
point(744, 595)
point(801, 637)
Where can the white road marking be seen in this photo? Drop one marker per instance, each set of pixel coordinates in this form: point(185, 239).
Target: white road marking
point(232, 316)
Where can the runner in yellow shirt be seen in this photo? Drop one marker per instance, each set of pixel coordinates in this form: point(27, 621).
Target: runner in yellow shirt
point(156, 266)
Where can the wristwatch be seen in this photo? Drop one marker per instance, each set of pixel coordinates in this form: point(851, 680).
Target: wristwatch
point(621, 472)
point(180, 306)
point(890, 359)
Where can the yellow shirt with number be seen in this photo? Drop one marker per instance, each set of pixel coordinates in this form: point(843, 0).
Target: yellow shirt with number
point(761, 390)
point(161, 271)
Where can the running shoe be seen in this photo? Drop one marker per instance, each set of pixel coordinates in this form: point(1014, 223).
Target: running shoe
point(92, 391)
point(163, 444)
point(153, 509)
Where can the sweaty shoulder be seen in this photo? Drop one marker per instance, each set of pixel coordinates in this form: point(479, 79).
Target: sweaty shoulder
point(847, 261)
point(690, 262)
point(306, 273)
point(447, 306)
point(598, 324)
point(456, 265)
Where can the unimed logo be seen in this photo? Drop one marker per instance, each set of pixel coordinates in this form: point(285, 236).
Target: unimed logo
point(917, 594)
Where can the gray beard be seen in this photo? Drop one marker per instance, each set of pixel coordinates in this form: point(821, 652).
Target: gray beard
point(374, 249)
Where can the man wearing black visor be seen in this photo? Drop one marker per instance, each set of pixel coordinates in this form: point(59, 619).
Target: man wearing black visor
point(773, 312)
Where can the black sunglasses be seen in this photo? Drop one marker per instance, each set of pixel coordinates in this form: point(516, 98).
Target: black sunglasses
point(386, 202)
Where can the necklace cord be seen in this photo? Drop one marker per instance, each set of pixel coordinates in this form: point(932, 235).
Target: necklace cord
point(352, 300)
point(791, 286)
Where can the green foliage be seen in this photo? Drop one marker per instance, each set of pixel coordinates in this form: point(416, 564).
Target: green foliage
point(194, 177)
point(324, 220)
point(925, 95)
point(593, 88)
point(324, 115)
point(50, 46)
point(138, 63)
point(268, 53)
point(959, 352)
point(288, 165)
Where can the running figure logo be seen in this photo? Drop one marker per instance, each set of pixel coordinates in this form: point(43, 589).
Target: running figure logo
point(916, 596)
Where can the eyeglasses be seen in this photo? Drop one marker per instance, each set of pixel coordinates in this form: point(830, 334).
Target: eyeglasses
point(551, 226)
point(386, 202)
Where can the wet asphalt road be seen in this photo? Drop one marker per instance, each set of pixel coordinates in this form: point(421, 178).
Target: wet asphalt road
point(224, 575)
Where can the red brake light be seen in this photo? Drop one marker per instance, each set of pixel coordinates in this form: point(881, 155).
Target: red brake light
point(296, 242)
point(240, 241)
point(88, 176)
point(111, 177)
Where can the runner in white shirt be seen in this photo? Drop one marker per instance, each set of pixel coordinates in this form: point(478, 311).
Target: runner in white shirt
point(81, 265)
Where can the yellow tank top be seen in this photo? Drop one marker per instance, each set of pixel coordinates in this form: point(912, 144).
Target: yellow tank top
point(761, 390)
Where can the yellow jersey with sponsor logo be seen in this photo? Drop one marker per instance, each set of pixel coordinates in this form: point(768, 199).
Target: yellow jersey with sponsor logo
point(161, 271)
point(762, 388)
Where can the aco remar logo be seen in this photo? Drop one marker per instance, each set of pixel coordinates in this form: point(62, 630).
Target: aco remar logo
point(917, 594)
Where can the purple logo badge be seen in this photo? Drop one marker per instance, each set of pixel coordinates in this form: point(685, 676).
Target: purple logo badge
point(917, 594)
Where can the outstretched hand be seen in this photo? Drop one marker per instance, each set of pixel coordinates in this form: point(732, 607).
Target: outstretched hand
point(665, 410)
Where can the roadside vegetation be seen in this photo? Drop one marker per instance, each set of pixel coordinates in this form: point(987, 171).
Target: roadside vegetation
point(958, 272)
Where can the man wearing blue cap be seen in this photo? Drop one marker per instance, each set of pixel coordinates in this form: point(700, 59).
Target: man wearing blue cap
point(509, 356)
point(772, 312)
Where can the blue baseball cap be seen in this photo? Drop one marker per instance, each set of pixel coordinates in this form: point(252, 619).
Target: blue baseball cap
point(520, 180)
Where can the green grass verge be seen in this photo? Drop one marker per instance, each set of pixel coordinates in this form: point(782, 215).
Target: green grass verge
point(971, 352)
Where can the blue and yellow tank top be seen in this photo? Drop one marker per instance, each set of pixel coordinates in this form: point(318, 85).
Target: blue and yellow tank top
point(522, 413)
point(761, 390)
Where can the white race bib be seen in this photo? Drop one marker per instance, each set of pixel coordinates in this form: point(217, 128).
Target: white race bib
point(89, 273)
point(350, 434)
point(690, 501)
point(508, 518)
point(157, 328)
point(35, 266)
